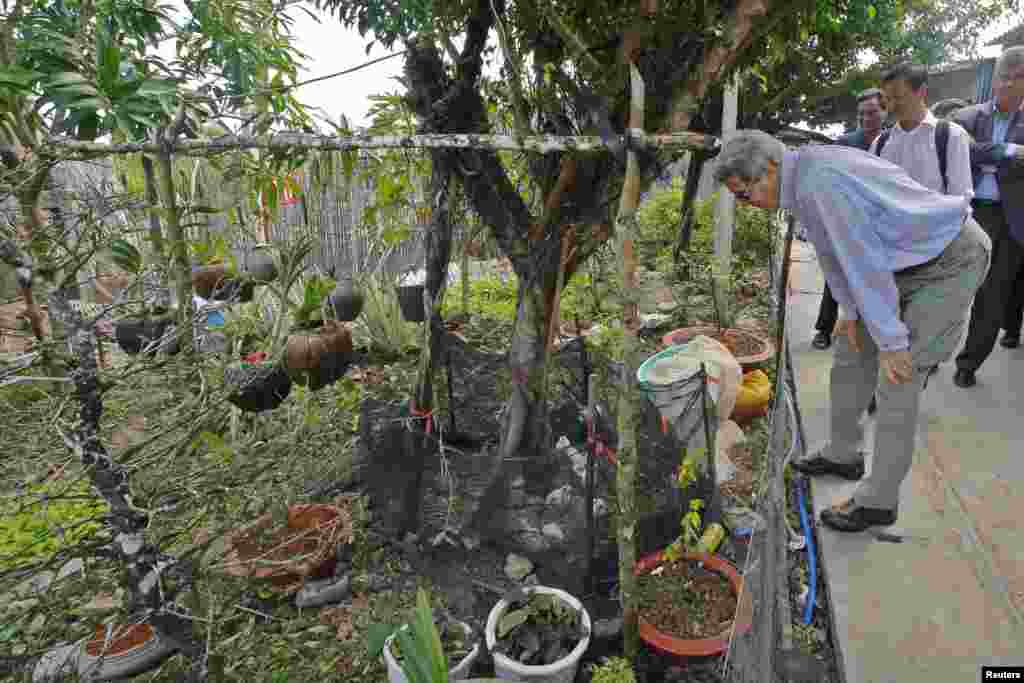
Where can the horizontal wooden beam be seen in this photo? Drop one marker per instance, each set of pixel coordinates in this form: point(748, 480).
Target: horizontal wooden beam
point(282, 142)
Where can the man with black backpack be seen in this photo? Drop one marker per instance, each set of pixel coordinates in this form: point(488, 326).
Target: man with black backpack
point(936, 153)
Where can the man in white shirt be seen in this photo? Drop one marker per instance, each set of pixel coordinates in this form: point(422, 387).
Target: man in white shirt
point(911, 143)
point(914, 145)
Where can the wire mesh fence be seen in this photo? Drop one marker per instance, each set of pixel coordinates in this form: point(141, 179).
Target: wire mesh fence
point(759, 641)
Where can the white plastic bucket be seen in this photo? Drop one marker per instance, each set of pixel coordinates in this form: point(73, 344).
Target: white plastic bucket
point(669, 380)
point(562, 671)
point(458, 672)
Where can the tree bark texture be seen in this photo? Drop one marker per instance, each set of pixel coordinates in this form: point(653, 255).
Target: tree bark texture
point(628, 412)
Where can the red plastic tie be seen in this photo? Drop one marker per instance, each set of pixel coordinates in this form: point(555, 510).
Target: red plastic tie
point(426, 415)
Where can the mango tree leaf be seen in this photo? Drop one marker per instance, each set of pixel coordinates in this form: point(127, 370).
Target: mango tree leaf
point(153, 86)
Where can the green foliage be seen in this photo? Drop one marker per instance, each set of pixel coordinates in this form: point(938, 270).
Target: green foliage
point(536, 608)
point(310, 312)
point(489, 297)
point(423, 658)
point(381, 325)
point(613, 670)
point(60, 515)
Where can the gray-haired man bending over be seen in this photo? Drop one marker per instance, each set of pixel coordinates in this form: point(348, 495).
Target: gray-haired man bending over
point(903, 262)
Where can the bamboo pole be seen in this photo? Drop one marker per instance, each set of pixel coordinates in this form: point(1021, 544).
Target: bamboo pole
point(292, 140)
point(628, 418)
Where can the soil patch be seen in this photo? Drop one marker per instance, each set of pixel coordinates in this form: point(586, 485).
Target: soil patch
point(687, 601)
point(742, 483)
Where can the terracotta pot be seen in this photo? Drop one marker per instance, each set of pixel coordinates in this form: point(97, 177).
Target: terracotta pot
point(697, 647)
point(206, 278)
point(749, 361)
point(304, 349)
point(304, 547)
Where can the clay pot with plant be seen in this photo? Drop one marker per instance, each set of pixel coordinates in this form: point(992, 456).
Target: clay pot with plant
point(216, 277)
point(314, 336)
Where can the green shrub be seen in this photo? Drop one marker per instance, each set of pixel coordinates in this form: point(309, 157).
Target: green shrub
point(46, 518)
point(489, 297)
point(613, 670)
point(659, 219)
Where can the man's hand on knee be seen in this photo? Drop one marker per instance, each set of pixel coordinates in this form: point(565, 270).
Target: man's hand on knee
point(848, 328)
point(898, 366)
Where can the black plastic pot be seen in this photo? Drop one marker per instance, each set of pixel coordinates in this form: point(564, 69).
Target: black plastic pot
point(346, 301)
point(134, 335)
point(257, 387)
point(410, 301)
point(333, 366)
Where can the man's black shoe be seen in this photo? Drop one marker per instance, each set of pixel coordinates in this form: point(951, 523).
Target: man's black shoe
point(818, 465)
point(1010, 341)
point(821, 341)
point(852, 517)
point(964, 378)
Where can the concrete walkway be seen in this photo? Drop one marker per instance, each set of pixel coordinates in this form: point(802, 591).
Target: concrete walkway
point(950, 597)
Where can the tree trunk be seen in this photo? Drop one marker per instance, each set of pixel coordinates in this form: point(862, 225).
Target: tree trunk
point(628, 413)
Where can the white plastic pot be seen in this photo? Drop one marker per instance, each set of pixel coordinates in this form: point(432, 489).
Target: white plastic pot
point(458, 672)
point(562, 671)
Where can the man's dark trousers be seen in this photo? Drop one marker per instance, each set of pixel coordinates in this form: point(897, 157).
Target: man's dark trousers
point(827, 313)
point(1015, 307)
point(989, 310)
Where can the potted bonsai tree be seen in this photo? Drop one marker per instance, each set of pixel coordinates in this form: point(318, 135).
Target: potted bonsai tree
point(217, 277)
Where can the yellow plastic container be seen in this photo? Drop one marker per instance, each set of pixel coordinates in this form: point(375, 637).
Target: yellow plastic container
point(753, 397)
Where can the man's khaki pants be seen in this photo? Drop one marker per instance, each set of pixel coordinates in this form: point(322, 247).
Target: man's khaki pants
point(934, 302)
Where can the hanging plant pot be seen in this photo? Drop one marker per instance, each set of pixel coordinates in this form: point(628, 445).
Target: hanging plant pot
point(410, 301)
point(234, 289)
point(206, 278)
point(134, 335)
point(257, 386)
point(670, 609)
point(259, 264)
point(750, 348)
point(459, 669)
point(305, 350)
point(284, 555)
point(346, 301)
point(531, 615)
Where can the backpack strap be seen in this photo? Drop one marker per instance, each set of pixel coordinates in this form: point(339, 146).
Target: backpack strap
point(882, 139)
point(941, 144)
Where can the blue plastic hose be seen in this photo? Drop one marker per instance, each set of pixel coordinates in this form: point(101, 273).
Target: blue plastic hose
point(812, 556)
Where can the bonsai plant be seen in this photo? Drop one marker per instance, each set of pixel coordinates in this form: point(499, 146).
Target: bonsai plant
point(420, 652)
point(538, 633)
point(314, 336)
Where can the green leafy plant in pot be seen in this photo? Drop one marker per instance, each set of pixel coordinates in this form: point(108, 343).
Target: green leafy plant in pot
point(217, 277)
point(420, 652)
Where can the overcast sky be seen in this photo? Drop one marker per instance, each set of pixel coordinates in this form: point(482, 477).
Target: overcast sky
point(331, 48)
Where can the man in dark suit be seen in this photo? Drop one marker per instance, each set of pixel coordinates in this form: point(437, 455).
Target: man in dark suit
point(870, 115)
point(997, 150)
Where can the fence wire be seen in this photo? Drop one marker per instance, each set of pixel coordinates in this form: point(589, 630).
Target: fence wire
point(763, 613)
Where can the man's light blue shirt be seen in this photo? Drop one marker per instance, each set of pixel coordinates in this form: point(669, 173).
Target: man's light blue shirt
point(988, 187)
point(867, 219)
